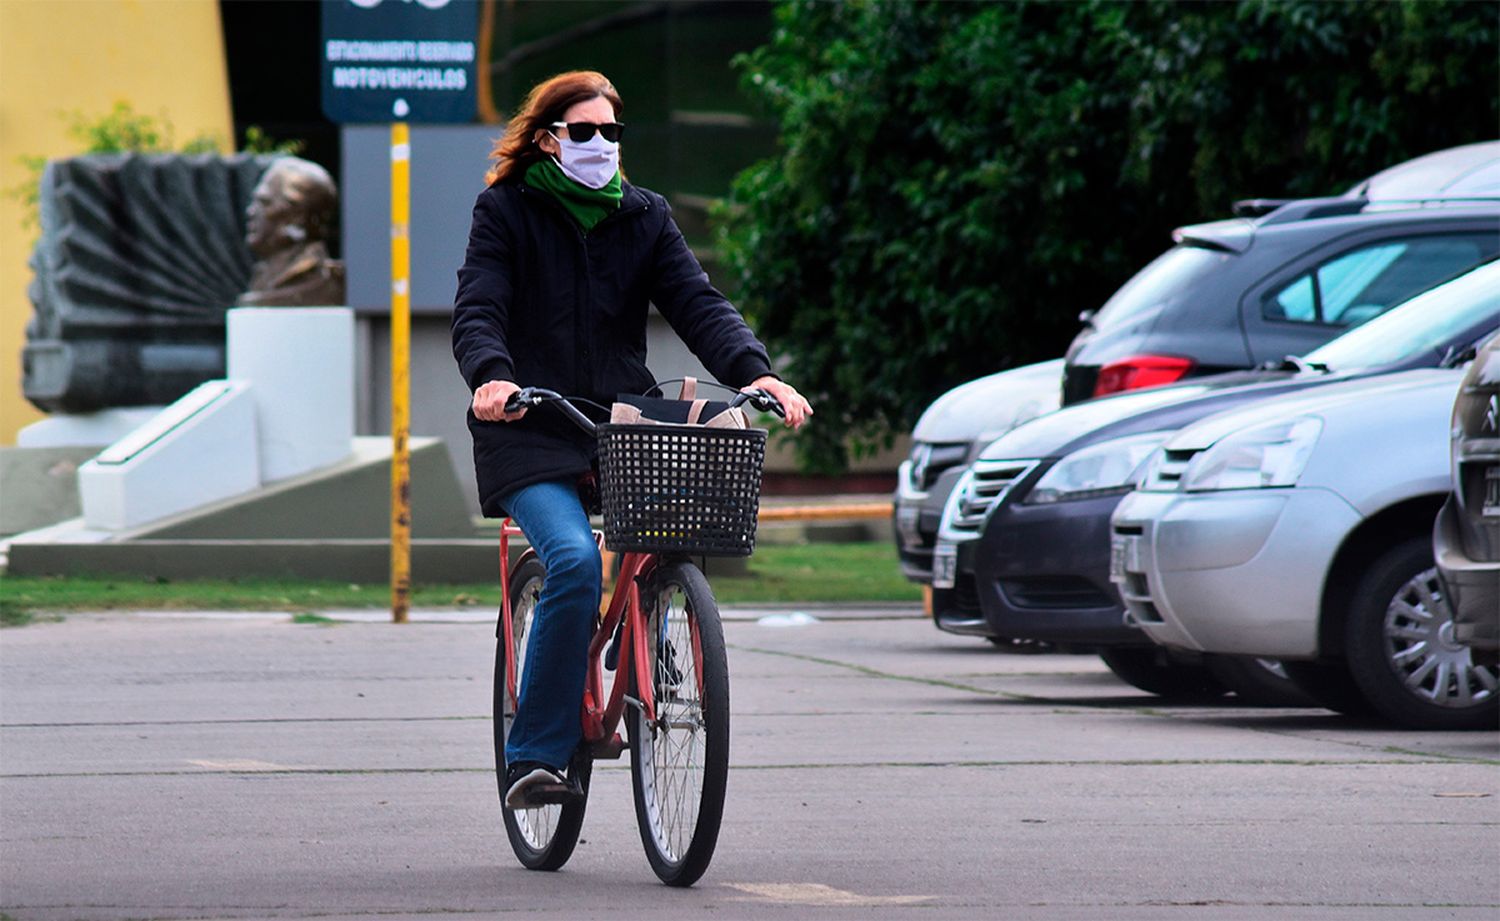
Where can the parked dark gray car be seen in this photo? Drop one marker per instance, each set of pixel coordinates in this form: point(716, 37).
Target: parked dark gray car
point(1023, 549)
point(1236, 293)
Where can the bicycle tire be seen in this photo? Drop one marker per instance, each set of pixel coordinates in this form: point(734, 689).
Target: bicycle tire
point(543, 838)
point(679, 766)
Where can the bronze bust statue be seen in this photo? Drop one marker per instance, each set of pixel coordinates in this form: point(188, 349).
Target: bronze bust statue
point(287, 222)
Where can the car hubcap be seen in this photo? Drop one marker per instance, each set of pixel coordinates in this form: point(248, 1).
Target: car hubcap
point(1421, 649)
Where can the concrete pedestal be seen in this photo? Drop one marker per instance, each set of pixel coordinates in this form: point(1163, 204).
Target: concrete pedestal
point(200, 449)
point(85, 430)
point(300, 361)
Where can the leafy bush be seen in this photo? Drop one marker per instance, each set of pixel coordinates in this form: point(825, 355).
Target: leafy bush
point(955, 182)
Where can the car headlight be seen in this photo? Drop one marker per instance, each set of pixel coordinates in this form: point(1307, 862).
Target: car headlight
point(1256, 458)
point(1099, 470)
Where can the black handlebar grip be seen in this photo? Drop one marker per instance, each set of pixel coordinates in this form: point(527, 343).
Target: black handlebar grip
point(767, 403)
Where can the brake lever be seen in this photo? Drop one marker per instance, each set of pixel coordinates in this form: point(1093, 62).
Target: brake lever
point(761, 400)
point(525, 398)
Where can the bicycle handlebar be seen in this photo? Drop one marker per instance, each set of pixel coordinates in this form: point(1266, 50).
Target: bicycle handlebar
point(528, 397)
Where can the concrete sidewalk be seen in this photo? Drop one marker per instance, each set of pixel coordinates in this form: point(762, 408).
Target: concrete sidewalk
point(172, 767)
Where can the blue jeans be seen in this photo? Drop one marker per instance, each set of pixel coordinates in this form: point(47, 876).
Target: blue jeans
point(548, 726)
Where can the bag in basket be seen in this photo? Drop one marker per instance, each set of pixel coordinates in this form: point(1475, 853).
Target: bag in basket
point(680, 476)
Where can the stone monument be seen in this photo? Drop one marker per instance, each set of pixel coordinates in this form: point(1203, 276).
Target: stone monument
point(287, 225)
point(139, 257)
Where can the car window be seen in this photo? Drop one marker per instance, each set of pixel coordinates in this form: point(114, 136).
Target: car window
point(1428, 322)
point(1363, 283)
point(1168, 278)
point(1298, 302)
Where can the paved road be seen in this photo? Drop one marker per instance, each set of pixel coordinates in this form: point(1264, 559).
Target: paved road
point(249, 767)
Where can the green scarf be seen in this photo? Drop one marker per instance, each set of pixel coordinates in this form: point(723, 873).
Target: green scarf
point(586, 206)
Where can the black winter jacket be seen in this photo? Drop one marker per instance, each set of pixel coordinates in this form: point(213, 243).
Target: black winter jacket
point(542, 304)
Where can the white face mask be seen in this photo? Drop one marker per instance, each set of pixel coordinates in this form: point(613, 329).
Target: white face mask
point(592, 163)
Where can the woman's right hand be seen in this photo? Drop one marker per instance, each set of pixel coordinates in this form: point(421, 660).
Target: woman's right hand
point(490, 399)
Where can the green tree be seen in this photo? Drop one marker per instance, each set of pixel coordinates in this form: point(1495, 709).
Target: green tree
point(955, 182)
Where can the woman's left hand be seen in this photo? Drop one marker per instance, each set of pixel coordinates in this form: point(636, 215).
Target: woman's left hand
point(796, 407)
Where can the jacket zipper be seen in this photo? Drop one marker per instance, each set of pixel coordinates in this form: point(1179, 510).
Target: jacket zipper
point(583, 333)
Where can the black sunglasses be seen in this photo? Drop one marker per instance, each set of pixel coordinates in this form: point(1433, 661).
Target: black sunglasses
point(579, 132)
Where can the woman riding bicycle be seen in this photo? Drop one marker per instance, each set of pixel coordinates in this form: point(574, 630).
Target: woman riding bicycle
point(563, 258)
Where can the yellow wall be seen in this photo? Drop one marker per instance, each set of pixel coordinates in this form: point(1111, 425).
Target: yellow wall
point(164, 57)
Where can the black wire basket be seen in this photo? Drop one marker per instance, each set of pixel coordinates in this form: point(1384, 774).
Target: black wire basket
point(680, 488)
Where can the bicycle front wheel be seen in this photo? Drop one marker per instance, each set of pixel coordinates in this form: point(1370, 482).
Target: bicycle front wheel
point(542, 838)
point(679, 762)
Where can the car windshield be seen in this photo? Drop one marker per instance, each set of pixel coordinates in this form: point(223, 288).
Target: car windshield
point(1168, 278)
point(1427, 322)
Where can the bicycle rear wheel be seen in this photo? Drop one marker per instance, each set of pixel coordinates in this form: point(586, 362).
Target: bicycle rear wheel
point(542, 838)
point(679, 763)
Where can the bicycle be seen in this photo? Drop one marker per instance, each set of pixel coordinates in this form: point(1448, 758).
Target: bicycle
point(661, 644)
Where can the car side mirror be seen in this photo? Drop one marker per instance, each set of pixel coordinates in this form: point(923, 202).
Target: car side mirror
point(1086, 317)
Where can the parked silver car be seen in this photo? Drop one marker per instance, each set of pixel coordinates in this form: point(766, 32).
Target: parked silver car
point(1299, 529)
point(948, 436)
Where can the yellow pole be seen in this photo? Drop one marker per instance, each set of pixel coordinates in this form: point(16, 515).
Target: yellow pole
point(400, 372)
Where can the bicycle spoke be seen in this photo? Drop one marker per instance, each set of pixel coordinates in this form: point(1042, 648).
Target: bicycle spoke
point(537, 826)
point(681, 756)
point(676, 753)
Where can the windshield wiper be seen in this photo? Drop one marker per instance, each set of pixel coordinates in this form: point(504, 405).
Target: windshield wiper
point(1456, 356)
point(1302, 365)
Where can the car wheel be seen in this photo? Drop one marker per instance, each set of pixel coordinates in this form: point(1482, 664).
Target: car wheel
point(1258, 682)
point(1401, 652)
point(1153, 671)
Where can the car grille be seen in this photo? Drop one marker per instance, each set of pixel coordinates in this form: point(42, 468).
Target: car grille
point(1166, 476)
point(978, 491)
point(1479, 486)
point(966, 594)
point(930, 461)
point(1055, 592)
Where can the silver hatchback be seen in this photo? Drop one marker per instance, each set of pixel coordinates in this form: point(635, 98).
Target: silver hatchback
point(1299, 529)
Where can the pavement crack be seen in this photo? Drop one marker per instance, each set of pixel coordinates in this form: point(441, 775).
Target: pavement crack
point(889, 676)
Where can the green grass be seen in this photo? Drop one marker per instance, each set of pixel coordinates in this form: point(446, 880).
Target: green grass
point(865, 572)
point(13, 615)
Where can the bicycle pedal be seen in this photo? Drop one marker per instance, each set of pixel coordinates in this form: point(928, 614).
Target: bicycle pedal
point(552, 795)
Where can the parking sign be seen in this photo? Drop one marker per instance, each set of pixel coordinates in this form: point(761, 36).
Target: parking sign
point(400, 60)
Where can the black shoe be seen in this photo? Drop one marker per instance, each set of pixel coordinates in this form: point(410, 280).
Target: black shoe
point(531, 784)
point(668, 675)
point(612, 654)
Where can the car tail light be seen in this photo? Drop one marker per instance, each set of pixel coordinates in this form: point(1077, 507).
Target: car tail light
point(1140, 371)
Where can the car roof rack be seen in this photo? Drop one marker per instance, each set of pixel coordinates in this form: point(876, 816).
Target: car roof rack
point(1286, 210)
point(1258, 207)
point(1306, 209)
point(1235, 234)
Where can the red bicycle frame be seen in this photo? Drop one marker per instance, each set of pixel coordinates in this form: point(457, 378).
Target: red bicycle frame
point(601, 719)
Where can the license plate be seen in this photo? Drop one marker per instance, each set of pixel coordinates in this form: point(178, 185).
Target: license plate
point(1117, 551)
point(906, 525)
point(944, 566)
point(1491, 505)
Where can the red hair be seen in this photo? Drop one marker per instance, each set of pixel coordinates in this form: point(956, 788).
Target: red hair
point(517, 149)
